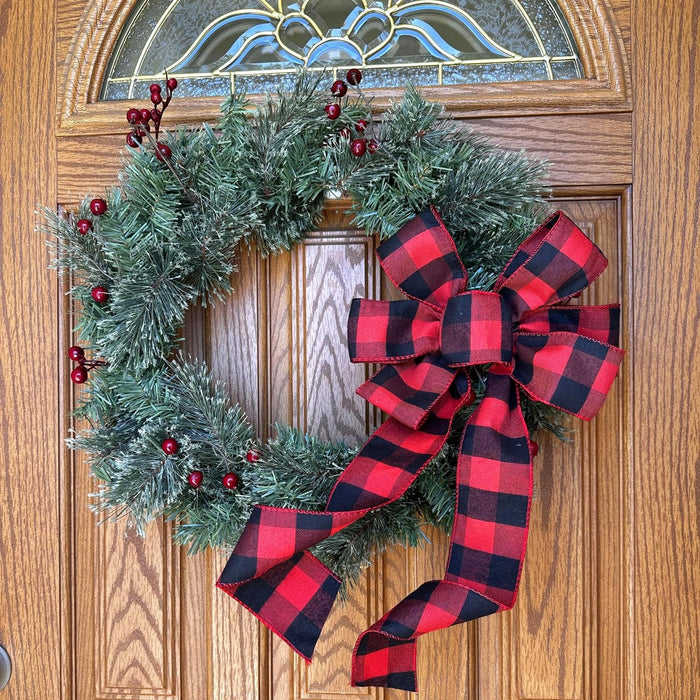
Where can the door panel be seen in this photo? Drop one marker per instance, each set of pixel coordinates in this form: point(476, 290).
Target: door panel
point(279, 343)
point(565, 638)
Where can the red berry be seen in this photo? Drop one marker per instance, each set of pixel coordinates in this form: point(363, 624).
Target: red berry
point(155, 115)
point(534, 448)
point(83, 226)
point(345, 132)
point(133, 115)
point(170, 446)
point(145, 115)
point(156, 99)
point(76, 353)
point(361, 125)
point(163, 151)
point(230, 480)
point(195, 479)
point(98, 206)
point(339, 88)
point(99, 294)
point(79, 375)
point(154, 87)
point(372, 146)
point(358, 147)
point(172, 83)
point(354, 76)
point(133, 139)
point(333, 111)
point(252, 456)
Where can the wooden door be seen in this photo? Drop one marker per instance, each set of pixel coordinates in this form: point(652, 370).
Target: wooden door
point(609, 602)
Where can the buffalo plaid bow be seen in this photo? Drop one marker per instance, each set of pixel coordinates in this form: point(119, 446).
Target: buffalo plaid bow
point(562, 355)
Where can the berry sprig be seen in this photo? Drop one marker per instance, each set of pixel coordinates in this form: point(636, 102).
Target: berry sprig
point(97, 206)
point(230, 481)
point(360, 144)
point(141, 119)
point(80, 374)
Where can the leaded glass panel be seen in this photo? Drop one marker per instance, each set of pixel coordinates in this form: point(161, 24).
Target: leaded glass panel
point(213, 45)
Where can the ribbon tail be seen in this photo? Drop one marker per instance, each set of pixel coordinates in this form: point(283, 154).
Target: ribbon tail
point(293, 599)
point(271, 572)
point(494, 489)
point(385, 654)
point(494, 476)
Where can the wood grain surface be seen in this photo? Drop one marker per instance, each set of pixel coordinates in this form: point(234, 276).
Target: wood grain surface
point(610, 602)
point(580, 150)
point(30, 577)
point(666, 379)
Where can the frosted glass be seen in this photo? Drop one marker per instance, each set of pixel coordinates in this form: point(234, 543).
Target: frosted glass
point(211, 45)
point(566, 70)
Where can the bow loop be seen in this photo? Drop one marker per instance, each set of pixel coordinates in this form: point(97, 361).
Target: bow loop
point(391, 331)
point(566, 370)
point(557, 261)
point(601, 323)
point(409, 391)
point(422, 261)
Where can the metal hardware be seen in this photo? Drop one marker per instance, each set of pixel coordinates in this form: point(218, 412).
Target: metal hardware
point(5, 667)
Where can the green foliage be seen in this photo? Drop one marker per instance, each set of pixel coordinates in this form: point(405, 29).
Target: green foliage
point(170, 238)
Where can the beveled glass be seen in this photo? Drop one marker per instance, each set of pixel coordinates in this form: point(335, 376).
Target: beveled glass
point(212, 46)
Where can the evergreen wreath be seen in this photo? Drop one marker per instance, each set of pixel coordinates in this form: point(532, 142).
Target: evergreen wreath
point(163, 436)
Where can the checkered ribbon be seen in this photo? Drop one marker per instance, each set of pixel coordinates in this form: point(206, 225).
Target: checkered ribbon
point(558, 354)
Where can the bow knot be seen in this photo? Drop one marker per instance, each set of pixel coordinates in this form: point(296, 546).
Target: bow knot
point(476, 329)
point(558, 354)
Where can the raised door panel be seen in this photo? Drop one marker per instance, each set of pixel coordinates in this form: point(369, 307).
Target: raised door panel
point(163, 630)
point(307, 381)
point(123, 612)
point(567, 636)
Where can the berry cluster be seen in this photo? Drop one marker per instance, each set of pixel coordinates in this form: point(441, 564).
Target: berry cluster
point(141, 119)
point(195, 478)
point(229, 481)
point(358, 145)
point(98, 206)
point(80, 374)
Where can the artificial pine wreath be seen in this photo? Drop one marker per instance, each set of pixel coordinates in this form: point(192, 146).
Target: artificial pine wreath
point(164, 439)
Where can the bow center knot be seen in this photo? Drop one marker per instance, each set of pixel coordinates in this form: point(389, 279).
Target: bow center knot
point(477, 329)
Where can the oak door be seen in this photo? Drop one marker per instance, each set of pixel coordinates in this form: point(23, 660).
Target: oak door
point(609, 599)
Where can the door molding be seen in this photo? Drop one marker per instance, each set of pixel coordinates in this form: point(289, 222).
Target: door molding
point(594, 25)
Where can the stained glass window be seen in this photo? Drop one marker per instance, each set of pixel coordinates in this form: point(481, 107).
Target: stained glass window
point(213, 45)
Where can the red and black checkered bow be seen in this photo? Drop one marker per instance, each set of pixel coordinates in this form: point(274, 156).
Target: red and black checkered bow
point(562, 355)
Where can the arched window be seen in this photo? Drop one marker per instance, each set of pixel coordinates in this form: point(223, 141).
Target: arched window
point(213, 45)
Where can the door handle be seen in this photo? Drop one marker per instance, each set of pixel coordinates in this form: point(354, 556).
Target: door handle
point(5, 667)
